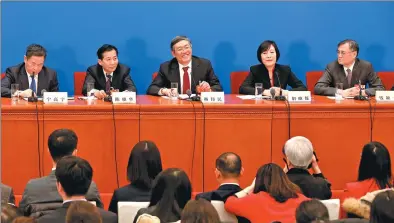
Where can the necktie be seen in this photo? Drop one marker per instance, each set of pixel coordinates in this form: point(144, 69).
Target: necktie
point(108, 84)
point(349, 76)
point(33, 84)
point(186, 81)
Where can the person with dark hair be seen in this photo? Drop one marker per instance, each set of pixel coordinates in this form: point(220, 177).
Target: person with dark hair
point(271, 197)
point(382, 207)
point(269, 73)
point(7, 194)
point(190, 72)
point(143, 167)
point(24, 219)
point(199, 211)
point(108, 74)
point(74, 176)
point(26, 75)
point(350, 71)
point(374, 171)
point(9, 212)
point(83, 212)
point(170, 193)
point(312, 211)
point(40, 195)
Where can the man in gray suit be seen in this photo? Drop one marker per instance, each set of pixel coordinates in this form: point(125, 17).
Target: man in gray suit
point(348, 70)
point(7, 194)
point(61, 143)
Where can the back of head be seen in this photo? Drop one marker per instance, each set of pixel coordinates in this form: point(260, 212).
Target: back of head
point(382, 207)
point(144, 164)
point(170, 193)
point(24, 220)
point(229, 165)
point(9, 212)
point(375, 163)
point(74, 175)
point(83, 211)
point(299, 151)
point(270, 178)
point(62, 142)
point(312, 211)
point(199, 211)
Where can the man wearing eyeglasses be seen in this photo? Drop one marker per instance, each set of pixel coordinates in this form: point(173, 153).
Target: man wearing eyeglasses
point(351, 72)
point(190, 72)
point(31, 76)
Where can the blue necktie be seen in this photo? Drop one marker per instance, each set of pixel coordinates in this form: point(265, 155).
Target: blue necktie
point(33, 84)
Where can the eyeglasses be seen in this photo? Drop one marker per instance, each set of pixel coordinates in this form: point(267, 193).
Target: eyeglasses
point(343, 52)
point(180, 49)
point(33, 64)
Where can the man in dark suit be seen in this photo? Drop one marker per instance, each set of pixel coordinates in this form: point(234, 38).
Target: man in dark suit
point(348, 70)
point(299, 155)
point(7, 194)
point(186, 70)
point(73, 179)
point(31, 75)
point(108, 74)
point(61, 142)
point(228, 171)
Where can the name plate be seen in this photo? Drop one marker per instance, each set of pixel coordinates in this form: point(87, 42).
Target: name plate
point(55, 97)
point(384, 96)
point(212, 97)
point(299, 96)
point(125, 97)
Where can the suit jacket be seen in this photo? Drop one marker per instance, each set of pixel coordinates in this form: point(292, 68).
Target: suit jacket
point(315, 186)
point(47, 79)
point(120, 80)
point(59, 215)
point(259, 74)
point(334, 73)
point(169, 72)
point(129, 192)
point(43, 190)
point(7, 194)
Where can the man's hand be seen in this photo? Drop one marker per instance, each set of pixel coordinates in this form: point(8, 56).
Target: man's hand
point(165, 92)
point(26, 93)
point(205, 87)
point(100, 94)
point(315, 166)
point(351, 92)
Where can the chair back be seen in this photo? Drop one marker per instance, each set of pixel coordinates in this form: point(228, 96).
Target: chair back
point(223, 214)
point(128, 210)
point(154, 75)
point(79, 78)
point(311, 79)
point(387, 78)
point(333, 206)
point(236, 80)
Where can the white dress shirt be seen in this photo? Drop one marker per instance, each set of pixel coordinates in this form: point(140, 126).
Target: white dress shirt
point(351, 68)
point(35, 79)
point(106, 79)
point(181, 73)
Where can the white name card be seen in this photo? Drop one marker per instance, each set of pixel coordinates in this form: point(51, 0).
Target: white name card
point(384, 96)
point(212, 97)
point(299, 96)
point(126, 97)
point(55, 97)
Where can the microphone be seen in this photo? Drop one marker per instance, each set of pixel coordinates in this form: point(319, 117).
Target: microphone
point(272, 92)
point(196, 97)
point(32, 98)
point(42, 92)
point(360, 96)
point(280, 97)
point(108, 97)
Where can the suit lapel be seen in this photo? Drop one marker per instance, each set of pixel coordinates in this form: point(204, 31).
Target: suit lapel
point(355, 74)
point(174, 74)
point(23, 81)
point(42, 81)
point(100, 78)
point(265, 78)
point(194, 74)
point(342, 77)
point(116, 79)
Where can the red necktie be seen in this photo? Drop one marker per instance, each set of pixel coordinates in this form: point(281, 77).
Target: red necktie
point(186, 81)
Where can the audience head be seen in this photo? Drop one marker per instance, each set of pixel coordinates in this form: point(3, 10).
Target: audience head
point(312, 211)
point(108, 58)
point(61, 143)
point(144, 164)
point(83, 211)
point(347, 52)
point(170, 193)
point(382, 207)
point(375, 163)
point(299, 152)
point(181, 49)
point(228, 167)
point(23, 219)
point(270, 178)
point(34, 58)
point(9, 212)
point(74, 176)
point(199, 211)
point(268, 53)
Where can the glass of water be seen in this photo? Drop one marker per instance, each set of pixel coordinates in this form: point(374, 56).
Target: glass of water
point(258, 90)
point(338, 91)
point(174, 90)
point(89, 90)
point(14, 92)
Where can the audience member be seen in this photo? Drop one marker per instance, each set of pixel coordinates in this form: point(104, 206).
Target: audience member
point(24, 219)
point(199, 211)
point(382, 207)
point(312, 211)
point(7, 194)
point(83, 212)
point(9, 212)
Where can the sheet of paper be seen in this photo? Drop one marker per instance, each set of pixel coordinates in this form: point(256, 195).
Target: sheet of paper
point(333, 97)
point(245, 97)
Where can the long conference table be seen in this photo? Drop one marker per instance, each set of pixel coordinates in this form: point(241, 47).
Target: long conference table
point(191, 135)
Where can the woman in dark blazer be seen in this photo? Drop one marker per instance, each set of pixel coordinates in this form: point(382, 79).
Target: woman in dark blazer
point(269, 71)
point(143, 167)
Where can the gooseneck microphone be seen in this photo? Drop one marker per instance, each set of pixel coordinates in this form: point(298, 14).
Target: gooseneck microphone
point(272, 92)
point(280, 97)
point(191, 98)
point(32, 97)
point(360, 96)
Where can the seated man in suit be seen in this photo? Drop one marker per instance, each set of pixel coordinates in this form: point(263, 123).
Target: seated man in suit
point(299, 155)
point(186, 70)
point(31, 75)
point(73, 179)
point(108, 74)
point(7, 194)
point(61, 142)
point(348, 70)
point(228, 171)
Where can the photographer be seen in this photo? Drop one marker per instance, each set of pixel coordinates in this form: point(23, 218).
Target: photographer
point(299, 157)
